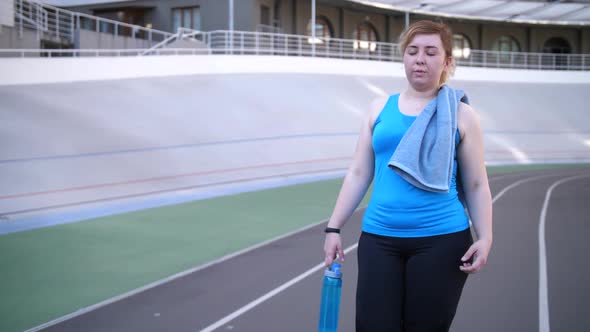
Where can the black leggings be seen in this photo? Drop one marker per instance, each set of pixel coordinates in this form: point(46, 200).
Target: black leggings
point(409, 284)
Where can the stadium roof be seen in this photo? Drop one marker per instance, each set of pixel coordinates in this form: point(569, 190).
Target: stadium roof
point(575, 13)
point(533, 12)
point(72, 3)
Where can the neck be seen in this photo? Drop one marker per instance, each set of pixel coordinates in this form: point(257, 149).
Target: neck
point(427, 93)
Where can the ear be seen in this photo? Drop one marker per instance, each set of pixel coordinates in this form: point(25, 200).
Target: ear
point(448, 62)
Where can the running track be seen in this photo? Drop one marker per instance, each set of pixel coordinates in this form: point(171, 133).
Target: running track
point(536, 278)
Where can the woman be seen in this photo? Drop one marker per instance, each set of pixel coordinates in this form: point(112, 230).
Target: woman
point(416, 248)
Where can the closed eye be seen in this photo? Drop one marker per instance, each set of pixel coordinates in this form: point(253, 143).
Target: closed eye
point(431, 50)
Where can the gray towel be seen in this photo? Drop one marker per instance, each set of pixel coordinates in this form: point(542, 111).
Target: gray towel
point(424, 156)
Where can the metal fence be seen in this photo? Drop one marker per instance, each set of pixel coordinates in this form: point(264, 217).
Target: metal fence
point(239, 42)
point(36, 53)
point(262, 43)
point(58, 23)
point(522, 60)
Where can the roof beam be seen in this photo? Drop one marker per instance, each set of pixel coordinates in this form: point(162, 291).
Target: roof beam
point(535, 10)
point(570, 12)
point(397, 3)
point(452, 4)
point(502, 4)
point(516, 17)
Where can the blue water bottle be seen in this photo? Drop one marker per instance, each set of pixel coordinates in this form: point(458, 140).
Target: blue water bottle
point(330, 304)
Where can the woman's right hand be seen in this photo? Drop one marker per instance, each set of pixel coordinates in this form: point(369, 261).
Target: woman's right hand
point(333, 248)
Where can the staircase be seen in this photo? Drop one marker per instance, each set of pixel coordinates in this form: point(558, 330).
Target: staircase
point(184, 38)
point(53, 25)
point(58, 28)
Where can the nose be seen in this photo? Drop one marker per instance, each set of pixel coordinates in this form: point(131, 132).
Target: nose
point(420, 58)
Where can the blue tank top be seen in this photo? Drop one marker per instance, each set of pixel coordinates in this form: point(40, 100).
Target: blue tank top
point(397, 208)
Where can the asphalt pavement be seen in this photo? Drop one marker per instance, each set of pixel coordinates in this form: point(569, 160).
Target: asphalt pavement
point(276, 287)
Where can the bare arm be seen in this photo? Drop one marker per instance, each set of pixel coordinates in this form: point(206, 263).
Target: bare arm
point(355, 185)
point(478, 197)
point(357, 179)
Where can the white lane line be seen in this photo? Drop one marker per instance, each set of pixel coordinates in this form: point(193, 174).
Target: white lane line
point(517, 183)
point(220, 260)
point(305, 274)
point(501, 193)
point(270, 294)
point(169, 279)
point(160, 282)
point(543, 289)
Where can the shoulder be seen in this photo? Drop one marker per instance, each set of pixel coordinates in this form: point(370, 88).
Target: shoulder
point(376, 107)
point(465, 108)
point(467, 119)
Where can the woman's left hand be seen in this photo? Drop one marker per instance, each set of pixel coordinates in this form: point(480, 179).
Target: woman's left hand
point(479, 251)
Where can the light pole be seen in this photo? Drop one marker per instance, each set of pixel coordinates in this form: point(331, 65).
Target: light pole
point(313, 40)
point(231, 25)
point(407, 19)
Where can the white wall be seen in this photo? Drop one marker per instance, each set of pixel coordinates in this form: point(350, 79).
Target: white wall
point(11, 38)
point(118, 127)
point(105, 41)
point(56, 70)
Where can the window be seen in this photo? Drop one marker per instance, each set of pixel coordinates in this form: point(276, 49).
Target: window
point(365, 37)
point(264, 15)
point(557, 45)
point(506, 44)
point(461, 46)
point(323, 30)
point(559, 48)
point(187, 17)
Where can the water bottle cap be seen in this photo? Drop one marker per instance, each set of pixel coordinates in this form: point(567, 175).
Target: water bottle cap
point(334, 271)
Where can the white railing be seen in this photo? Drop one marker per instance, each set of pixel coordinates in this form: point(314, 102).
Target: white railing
point(56, 23)
point(35, 53)
point(261, 43)
point(258, 43)
point(65, 24)
point(238, 42)
point(119, 29)
point(268, 28)
point(524, 60)
point(183, 34)
point(31, 15)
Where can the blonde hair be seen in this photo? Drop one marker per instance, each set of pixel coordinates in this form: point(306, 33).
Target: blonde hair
point(426, 27)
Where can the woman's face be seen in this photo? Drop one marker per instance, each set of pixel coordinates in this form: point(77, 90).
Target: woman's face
point(425, 61)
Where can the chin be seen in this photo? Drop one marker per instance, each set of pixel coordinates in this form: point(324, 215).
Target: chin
point(422, 85)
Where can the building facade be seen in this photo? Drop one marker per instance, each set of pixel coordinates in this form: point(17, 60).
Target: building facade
point(335, 19)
